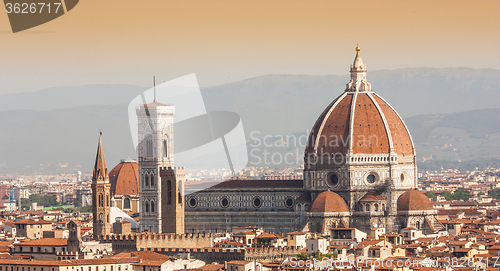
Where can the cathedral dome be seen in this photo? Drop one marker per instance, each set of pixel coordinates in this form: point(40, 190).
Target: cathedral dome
point(124, 178)
point(363, 116)
point(328, 202)
point(414, 200)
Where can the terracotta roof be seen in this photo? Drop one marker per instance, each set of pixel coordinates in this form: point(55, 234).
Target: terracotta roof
point(236, 184)
point(45, 242)
point(150, 262)
point(372, 196)
point(154, 103)
point(143, 255)
point(18, 261)
point(413, 200)
point(268, 236)
point(328, 202)
point(124, 178)
point(32, 221)
point(334, 123)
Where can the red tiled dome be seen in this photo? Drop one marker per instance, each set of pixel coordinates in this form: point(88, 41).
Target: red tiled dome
point(124, 178)
point(413, 200)
point(363, 116)
point(331, 132)
point(328, 202)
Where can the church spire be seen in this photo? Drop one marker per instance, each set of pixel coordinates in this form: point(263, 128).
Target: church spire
point(100, 195)
point(358, 74)
point(100, 169)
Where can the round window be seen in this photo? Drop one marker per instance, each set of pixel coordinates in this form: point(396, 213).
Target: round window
point(192, 202)
point(224, 202)
point(289, 202)
point(371, 178)
point(333, 179)
point(257, 202)
point(402, 177)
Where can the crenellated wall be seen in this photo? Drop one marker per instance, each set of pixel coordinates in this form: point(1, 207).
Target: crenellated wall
point(219, 255)
point(145, 241)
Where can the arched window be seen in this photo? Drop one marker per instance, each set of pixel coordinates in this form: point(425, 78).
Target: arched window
point(153, 206)
point(383, 207)
point(367, 207)
point(149, 147)
point(126, 203)
point(107, 219)
point(147, 180)
point(169, 192)
point(101, 218)
point(101, 200)
point(147, 207)
point(376, 207)
point(152, 180)
point(107, 201)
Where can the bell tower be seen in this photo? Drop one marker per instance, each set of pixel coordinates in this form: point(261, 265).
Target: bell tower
point(100, 194)
point(155, 151)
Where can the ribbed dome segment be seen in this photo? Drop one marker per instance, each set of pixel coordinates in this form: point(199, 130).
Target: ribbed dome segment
point(413, 200)
point(332, 134)
point(328, 202)
point(124, 178)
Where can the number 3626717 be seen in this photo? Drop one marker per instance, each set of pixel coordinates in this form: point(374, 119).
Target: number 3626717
point(32, 8)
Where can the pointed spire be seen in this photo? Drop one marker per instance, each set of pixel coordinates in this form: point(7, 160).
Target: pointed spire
point(358, 65)
point(358, 74)
point(100, 169)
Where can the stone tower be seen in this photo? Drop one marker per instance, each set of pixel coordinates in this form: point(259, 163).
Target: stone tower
point(100, 194)
point(75, 236)
point(173, 201)
point(155, 151)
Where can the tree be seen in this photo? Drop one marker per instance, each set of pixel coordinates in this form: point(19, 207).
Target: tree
point(430, 195)
point(494, 193)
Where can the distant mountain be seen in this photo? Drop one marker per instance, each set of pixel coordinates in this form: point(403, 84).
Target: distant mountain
point(460, 136)
point(55, 130)
point(295, 101)
point(70, 96)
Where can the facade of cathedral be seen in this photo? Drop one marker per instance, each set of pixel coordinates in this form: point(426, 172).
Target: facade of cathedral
point(359, 171)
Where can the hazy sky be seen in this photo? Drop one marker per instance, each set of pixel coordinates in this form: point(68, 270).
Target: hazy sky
point(127, 42)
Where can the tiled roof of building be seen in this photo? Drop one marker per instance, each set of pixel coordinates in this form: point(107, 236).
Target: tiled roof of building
point(45, 242)
point(372, 196)
point(17, 261)
point(413, 200)
point(143, 255)
point(33, 221)
point(154, 103)
point(328, 202)
point(237, 184)
point(150, 262)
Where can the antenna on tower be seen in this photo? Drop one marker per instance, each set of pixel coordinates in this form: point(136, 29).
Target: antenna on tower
point(154, 88)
